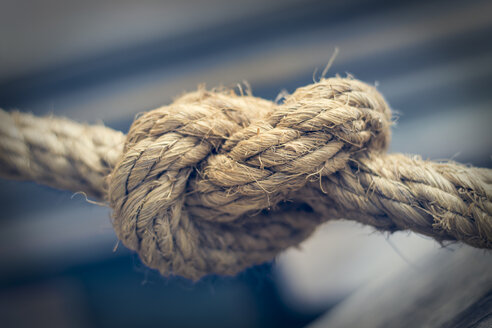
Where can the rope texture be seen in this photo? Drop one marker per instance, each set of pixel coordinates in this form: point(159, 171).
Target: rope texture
point(58, 152)
point(216, 182)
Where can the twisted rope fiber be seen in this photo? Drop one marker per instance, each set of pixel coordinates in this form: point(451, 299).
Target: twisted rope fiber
point(216, 182)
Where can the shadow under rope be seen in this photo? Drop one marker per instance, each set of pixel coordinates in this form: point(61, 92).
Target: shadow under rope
point(121, 292)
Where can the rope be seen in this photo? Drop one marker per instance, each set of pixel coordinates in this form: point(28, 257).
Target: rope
point(216, 182)
point(58, 152)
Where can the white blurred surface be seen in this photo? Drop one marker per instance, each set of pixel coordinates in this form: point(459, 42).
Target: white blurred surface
point(448, 289)
point(342, 256)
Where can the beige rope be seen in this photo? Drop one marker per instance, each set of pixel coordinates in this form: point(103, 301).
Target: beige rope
point(58, 152)
point(217, 182)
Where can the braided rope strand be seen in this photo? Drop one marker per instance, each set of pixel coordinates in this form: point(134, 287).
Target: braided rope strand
point(58, 152)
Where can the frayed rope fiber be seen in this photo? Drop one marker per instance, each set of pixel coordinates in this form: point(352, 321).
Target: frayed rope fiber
point(216, 182)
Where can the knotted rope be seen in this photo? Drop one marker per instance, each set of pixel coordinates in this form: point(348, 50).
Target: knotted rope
point(216, 182)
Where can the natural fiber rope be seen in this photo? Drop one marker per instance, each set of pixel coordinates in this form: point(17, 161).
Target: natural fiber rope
point(216, 182)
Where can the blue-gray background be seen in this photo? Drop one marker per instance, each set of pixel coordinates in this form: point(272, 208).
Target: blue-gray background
point(107, 61)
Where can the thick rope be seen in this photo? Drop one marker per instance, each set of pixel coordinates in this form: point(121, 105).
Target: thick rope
point(217, 182)
point(58, 152)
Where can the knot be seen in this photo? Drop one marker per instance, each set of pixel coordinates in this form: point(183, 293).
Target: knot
point(217, 182)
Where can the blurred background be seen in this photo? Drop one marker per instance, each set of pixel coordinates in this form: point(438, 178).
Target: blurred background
point(106, 61)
